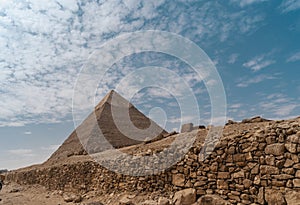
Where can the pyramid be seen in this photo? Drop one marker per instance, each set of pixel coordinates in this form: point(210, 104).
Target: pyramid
point(110, 116)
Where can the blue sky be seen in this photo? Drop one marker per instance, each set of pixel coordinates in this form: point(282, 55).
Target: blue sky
point(254, 45)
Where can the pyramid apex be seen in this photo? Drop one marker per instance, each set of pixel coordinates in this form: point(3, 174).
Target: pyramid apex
point(111, 92)
point(114, 98)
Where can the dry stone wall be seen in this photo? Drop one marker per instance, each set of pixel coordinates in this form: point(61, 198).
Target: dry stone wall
point(260, 167)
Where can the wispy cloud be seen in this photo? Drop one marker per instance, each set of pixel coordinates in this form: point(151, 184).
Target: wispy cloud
point(237, 105)
point(245, 82)
point(259, 62)
point(243, 3)
point(233, 58)
point(289, 5)
point(50, 148)
point(27, 133)
point(44, 45)
point(279, 105)
point(184, 119)
point(294, 57)
point(22, 152)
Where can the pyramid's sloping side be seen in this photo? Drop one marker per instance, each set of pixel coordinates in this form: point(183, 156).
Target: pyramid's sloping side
point(102, 118)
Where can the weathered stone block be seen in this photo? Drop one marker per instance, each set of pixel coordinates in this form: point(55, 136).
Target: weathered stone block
point(211, 200)
point(247, 183)
point(288, 163)
point(266, 169)
point(199, 183)
point(185, 197)
point(260, 196)
point(274, 197)
point(293, 139)
point(292, 148)
point(270, 160)
point(222, 184)
point(187, 127)
point(240, 174)
point(298, 174)
point(276, 149)
point(239, 158)
point(163, 201)
point(296, 183)
point(178, 180)
point(223, 175)
point(292, 198)
point(214, 167)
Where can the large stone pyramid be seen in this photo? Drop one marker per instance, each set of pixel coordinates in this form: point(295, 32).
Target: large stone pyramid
point(105, 119)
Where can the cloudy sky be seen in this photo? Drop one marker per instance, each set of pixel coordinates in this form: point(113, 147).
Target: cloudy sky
point(254, 45)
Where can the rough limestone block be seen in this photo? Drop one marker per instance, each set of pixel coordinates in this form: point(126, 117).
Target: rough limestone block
point(265, 169)
point(187, 127)
point(276, 149)
point(178, 180)
point(185, 197)
point(274, 197)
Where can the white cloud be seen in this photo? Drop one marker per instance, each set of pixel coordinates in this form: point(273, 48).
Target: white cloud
point(243, 3)
point(233, 58)
point(259, 62)
point(45, 44)
point(257, 79)
point(285, 110)
point(289, 5)
point(278, 105)
point(237, 105)
point(294, 57)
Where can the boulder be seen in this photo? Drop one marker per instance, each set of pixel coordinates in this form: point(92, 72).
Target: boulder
point(95, 203)
point(126, 200)
point(149, 202)
point(292, 198)
point(274, 197)
point(185, 197)
point(163, 201)
point(211, 200)
point(71, 197)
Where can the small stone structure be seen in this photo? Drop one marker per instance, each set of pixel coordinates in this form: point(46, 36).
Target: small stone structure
point(190, 127)
point(187, 127)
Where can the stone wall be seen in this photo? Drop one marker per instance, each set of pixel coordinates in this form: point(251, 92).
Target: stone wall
point(260, 166)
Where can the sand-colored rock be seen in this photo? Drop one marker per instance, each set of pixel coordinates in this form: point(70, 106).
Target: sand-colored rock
point(185, 197)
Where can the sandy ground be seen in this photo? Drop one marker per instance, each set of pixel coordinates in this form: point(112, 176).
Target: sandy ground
point(14, 194)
